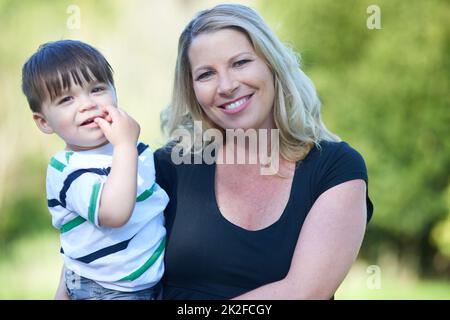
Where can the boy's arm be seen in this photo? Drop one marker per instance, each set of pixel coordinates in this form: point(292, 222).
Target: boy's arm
point(119, 191)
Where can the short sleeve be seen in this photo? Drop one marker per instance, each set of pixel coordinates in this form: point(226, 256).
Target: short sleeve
point(83, 194)
point(339, 163)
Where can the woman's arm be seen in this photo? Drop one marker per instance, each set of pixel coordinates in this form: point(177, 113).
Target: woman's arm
point(328, 245)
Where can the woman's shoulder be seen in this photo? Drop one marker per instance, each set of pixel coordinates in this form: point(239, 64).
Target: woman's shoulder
point(332, 158)
point(333, 163)
point(163, 154)
point(326, 146)
point(326, 151)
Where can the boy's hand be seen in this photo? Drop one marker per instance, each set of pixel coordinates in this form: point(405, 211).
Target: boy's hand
point(122, 130)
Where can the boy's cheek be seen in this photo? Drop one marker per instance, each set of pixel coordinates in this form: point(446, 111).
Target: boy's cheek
point(64, 128)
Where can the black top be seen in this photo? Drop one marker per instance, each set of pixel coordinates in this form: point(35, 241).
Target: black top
point(208, 257)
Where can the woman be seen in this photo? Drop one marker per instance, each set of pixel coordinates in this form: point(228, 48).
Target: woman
point(232, 231)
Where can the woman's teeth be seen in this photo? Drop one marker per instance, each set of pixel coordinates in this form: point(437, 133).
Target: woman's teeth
point(236, 104)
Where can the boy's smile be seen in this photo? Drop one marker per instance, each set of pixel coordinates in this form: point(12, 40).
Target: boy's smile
point(90, 121)
point(71, 114)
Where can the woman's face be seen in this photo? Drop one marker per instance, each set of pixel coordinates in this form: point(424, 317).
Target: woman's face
point(232, 84)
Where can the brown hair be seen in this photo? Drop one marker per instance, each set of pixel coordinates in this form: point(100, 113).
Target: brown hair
point(55, 65)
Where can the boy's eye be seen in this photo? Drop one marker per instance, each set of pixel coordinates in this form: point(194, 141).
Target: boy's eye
point(65, 99)
point(204, 75)
point(241, 62)
point(98, 89)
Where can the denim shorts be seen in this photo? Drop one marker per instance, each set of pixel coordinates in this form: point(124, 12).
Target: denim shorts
point(80, 288)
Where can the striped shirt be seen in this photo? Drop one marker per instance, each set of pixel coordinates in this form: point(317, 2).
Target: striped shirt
point(129, 258)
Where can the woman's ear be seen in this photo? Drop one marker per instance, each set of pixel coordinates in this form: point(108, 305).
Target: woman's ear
point(42, 123)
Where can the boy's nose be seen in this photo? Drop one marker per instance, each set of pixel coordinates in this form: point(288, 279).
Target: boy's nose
point(88, 104)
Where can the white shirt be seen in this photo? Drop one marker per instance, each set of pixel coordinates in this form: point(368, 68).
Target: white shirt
point(129, 258)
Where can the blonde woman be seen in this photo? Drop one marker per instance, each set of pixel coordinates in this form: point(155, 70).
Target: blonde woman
point(232, 231)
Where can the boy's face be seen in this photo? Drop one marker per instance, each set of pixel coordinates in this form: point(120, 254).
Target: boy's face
point(71, 114)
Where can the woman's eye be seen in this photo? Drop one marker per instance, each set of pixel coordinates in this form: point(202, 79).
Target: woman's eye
point(241, 62)
point(204, 75)
point(65, 99)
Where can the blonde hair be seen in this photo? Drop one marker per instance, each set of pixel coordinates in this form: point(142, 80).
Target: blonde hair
point(296, 104)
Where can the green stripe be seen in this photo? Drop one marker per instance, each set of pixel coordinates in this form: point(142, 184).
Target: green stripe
point(68, 155)
point(93, 202)
point(72, 224)
point(57, 165)
point(136, 274)
point(147, 193)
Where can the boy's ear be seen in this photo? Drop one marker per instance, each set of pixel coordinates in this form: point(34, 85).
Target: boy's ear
point(42, 123)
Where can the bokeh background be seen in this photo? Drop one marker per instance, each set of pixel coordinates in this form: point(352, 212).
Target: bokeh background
point(385, 91)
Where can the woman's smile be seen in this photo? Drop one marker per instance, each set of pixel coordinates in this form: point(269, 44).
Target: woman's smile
point(236, 106)
point(232, 84)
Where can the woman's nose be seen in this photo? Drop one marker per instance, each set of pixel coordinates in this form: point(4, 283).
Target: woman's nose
point(227, 84)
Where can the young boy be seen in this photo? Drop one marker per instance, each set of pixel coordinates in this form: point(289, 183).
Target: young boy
point(101, 189)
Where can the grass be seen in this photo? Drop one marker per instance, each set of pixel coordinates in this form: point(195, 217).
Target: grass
point(30, 269)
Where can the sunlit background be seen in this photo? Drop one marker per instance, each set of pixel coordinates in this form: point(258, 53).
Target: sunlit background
point(385, 91)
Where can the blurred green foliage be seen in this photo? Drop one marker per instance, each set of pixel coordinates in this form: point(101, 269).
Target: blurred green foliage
point(24, 25)
point(26, 205)
point(386, 91)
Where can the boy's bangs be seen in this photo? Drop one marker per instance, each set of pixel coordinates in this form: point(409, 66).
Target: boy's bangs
point(59, 80)
point(59, 65)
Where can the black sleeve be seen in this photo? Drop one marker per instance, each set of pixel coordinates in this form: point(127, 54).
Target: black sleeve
point(340, 163)
point(164, 170)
